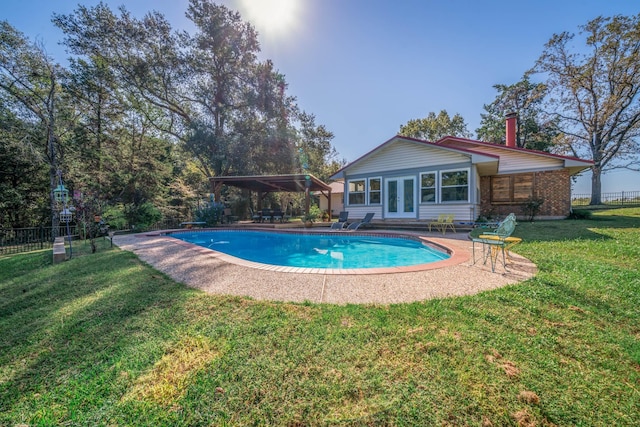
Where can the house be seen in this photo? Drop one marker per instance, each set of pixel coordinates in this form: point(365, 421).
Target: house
point(337, 198)
point(411, 179)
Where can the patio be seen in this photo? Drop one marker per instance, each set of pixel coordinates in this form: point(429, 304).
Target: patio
point(208, 271)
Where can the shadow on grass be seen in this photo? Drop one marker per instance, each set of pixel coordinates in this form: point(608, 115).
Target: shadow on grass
point(60, 323)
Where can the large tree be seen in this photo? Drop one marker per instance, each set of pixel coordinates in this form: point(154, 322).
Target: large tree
point(533, 130)
point(228, 109)
point(316, 154)
point(594, 93)
point(32, 79)
point(432, 127)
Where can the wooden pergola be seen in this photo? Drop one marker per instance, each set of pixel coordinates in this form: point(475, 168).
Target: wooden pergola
point(264, 184)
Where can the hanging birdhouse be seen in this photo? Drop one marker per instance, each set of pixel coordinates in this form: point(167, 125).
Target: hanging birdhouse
point(66, 215)
point(61, 194)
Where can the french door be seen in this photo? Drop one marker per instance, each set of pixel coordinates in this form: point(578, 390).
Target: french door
point(400, 200)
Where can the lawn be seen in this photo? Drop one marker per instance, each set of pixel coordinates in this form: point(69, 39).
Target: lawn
point(104, 339)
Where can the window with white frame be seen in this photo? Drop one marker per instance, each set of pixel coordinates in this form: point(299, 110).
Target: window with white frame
point(428, 187)
point(375, 191)
point(356, 190)
point(454, 186)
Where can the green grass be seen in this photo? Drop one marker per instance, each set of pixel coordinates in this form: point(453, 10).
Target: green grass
point(104, 339)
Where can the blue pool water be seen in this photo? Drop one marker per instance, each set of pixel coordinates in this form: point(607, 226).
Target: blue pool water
point(332, 250)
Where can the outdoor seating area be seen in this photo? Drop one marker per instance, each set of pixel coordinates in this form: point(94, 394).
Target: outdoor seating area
point(269, 215)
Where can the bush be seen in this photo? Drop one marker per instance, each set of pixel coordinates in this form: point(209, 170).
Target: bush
point(140, 217)
point(580, 214)
point(211, 214)
point(531, 207)
point(115, 217)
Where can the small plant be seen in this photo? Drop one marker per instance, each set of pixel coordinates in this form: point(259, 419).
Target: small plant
point(313, 214)
point(531, 207)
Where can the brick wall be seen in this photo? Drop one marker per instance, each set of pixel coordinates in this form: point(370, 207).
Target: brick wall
point(554, 187)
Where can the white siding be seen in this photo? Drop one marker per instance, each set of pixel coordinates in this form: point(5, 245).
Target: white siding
point(513, 161)
point(358, 212)
point(463, 212)
point(406, 155)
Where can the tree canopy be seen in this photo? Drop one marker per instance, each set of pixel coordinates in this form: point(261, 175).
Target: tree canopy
point(533, 130)
point(433, 128)
point(143, 114)
point(593, 93)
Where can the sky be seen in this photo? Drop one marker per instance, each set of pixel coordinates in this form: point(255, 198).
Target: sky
point(365, 67)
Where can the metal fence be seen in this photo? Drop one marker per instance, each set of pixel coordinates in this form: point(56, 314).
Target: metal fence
point(623, 198)
point(16, 240)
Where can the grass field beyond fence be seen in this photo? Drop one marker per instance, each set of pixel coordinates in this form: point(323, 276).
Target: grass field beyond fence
point(105, 340)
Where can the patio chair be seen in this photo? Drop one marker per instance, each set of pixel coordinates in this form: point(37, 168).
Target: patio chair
point(443, 222)
point(266, 215)
point(228, 217)
point(277, 215)
point(365, 222)
point(255, 216)
point(494, 242)
point(342, 221)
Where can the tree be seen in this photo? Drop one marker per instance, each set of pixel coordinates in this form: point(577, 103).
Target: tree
point(212, 94)
point(314, 143)
point(593, 93)
point(433, 128)
point(23, 171)
point(31, 78)
point(525, 99)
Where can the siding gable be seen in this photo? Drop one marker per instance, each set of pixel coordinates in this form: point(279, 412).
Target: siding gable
point(511, 161)
point(400, 154)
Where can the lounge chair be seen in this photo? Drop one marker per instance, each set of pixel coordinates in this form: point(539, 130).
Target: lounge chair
point(443, 222)
point(342, 221)
point(494, 242)
point(365, 222)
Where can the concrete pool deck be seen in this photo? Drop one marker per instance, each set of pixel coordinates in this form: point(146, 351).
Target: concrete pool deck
point(218, 273)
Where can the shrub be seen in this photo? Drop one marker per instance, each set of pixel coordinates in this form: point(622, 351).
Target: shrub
point(211, 213)
point(531, 207)
point(580, 214)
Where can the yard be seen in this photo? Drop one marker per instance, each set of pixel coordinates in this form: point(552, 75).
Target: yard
point(104, 339)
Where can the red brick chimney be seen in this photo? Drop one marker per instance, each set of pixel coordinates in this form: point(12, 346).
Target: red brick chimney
point(512, 119)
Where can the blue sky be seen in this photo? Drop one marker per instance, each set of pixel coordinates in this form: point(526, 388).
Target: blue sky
point(365, 67)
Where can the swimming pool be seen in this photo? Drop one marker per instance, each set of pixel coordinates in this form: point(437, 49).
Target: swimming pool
point(337, 250)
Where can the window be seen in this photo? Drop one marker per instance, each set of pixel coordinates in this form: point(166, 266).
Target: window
point(375, 191)
point(511, 188)
point(428, 187)
point(356, 192)
point(454, 186)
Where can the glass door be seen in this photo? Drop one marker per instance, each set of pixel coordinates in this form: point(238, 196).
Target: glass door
point(401, 197)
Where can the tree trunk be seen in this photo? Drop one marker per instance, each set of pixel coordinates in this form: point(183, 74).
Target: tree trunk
point(596, 186)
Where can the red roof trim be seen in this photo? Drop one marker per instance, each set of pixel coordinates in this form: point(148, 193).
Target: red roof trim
point(501, 146)
point(421, 141)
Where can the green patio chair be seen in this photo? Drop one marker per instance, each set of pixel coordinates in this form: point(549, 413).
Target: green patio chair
point(496, 242)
